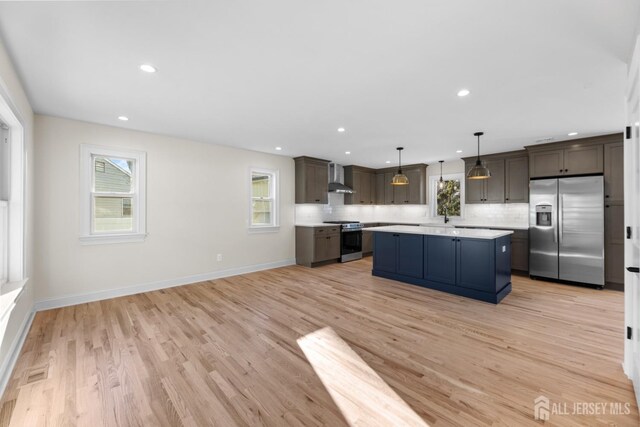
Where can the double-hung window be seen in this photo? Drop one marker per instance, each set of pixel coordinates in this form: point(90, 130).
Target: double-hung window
point(264, 199)
point(5, 167)
point(113, 195)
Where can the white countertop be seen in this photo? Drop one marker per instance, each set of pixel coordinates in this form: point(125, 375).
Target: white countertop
point(443, 231)
point(430, 224)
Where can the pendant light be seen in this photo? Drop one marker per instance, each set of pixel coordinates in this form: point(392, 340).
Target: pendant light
point(441, 182)
point(400, 178)
point(479, 171)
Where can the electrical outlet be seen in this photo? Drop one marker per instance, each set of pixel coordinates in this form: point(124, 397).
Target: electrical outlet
point(219, 257)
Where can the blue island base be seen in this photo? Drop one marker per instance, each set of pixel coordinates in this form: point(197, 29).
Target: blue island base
point(452, 289)
point(472, 267)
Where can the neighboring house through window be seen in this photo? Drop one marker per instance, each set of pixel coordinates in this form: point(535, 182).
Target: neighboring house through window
point(113, 202)
point(264, 202)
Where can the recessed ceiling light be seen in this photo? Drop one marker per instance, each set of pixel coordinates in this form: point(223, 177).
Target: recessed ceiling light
point(341, 129)
point(278, 148)
point(572, 133)
point(388, 161)
point(458, 151)
point(347, 152)
point(463, 92)
point(148, 68)
point(123, 118)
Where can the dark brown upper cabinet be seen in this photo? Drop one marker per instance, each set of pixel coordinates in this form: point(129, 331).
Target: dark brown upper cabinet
point(312, 180)
point(516, 173)
point(363, 182)
point(546, 163)
point(614, 172)
point(415, 193)
point(509, 181)
point(490, 190)
point(583, 156)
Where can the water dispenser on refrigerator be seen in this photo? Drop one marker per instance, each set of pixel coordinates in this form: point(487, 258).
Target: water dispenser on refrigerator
point(543, 215)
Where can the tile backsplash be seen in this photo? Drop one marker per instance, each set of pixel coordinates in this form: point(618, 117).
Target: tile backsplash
point(501, 213)
point(336, 210)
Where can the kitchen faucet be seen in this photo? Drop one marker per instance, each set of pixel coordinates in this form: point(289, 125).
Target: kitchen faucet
point(446, 218)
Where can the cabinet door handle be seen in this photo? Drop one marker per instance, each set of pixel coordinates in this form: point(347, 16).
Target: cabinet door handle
point(606, 206)
point(607, 196)
point(566, 170)
point(560, 171)
point(633, 269)
point(317, 200)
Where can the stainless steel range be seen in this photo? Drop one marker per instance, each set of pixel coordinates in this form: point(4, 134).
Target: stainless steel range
point(350, 239)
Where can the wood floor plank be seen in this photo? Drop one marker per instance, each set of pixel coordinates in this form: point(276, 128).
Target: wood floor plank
point(224, 352)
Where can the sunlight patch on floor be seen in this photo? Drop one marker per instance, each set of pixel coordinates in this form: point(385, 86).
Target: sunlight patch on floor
point(362, 396)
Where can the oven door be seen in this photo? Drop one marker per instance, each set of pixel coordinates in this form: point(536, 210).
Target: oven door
point(351, 245)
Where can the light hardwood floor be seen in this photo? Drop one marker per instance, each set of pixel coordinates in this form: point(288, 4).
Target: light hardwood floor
point(224, 353)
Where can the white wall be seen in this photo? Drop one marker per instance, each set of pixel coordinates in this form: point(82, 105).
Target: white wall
point(197, 207)
point(11, 327)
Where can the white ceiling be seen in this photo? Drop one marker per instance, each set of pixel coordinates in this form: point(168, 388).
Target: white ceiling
point(260, 74)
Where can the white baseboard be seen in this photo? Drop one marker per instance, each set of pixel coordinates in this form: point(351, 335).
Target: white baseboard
point(6, 369)
point(154, 286)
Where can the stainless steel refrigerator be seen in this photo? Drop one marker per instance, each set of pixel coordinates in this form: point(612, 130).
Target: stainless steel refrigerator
point(566, 229)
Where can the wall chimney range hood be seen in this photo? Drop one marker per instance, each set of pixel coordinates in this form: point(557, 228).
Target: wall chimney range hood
point(336, 180)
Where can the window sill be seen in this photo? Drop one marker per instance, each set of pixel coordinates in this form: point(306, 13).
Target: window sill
point(112, 239)
point(10, 293)
point(265, 229)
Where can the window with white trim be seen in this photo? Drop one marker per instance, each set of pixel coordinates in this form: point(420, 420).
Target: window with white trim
point(5, 168)
point(12, 208)
point(448, 197)
point(113, 195)
point(264, 199)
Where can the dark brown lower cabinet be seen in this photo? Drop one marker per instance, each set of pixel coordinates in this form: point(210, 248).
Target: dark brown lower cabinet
point(520, 250)
point(367, 242)
point(326, 247)
point(317, 244)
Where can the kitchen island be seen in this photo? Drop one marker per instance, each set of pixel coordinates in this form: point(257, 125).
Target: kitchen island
point(467, 262)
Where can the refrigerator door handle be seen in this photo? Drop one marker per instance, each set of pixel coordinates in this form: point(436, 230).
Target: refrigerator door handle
point(560, 218)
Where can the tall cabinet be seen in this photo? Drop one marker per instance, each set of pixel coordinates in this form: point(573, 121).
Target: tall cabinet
point(614, 212)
